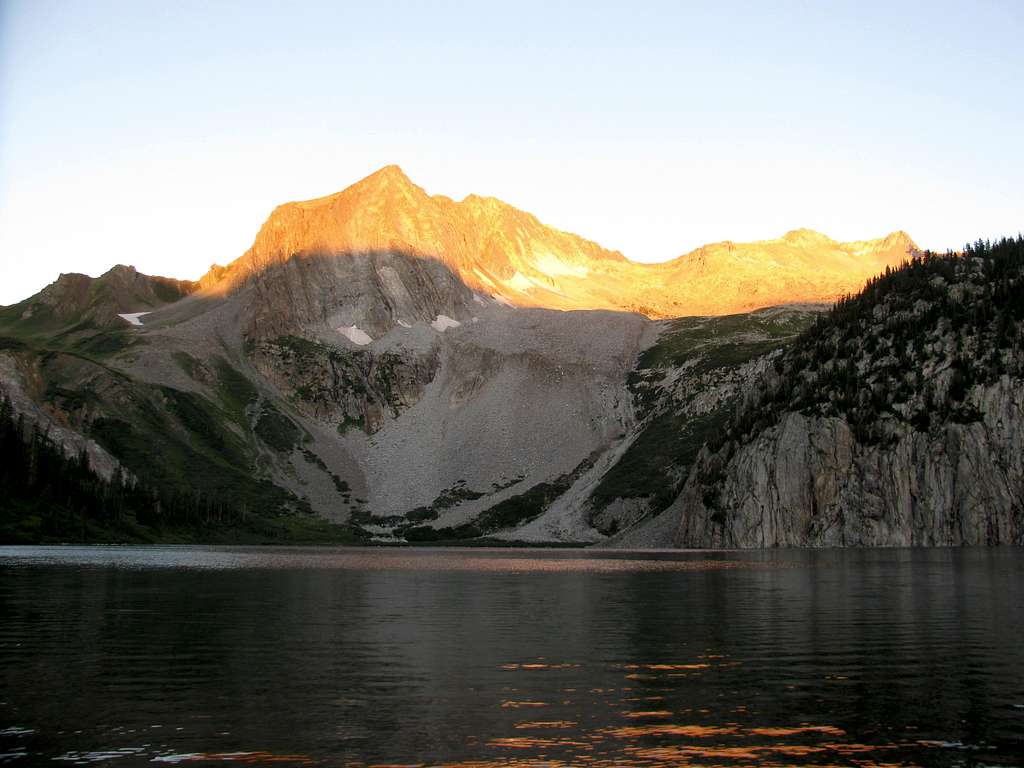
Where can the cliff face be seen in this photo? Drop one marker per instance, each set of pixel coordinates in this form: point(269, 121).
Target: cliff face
point(897, 420)
point(809, 482)
point(373, 291)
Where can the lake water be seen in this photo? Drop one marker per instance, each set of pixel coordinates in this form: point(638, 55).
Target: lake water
point(485, 658)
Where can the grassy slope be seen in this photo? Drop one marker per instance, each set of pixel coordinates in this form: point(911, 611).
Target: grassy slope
point(669, 439)
point(172, 440)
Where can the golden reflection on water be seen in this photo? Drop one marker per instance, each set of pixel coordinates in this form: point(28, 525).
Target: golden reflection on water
point(562, 743)
point(665, 667)
point(663, 744)
point(649, 713)
point(541, 724)
point(538, 665)
point(692, 731)
point(827, 729)
point(246, 758)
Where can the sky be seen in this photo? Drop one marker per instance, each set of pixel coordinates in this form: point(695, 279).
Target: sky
point(163, 134)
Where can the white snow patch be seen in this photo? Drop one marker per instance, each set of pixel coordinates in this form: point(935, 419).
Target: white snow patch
point(520, 282)
point(552, 266)
point(502, 300)
point(404, 324)
point(479, 299)
point(355, 334)
point(133, 317)
point(476, 319)
point(443, 322)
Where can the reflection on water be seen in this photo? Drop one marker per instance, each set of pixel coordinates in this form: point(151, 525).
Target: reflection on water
point(235, 656)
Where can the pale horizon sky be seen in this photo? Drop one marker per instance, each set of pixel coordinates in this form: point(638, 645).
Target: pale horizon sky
point(162, 135)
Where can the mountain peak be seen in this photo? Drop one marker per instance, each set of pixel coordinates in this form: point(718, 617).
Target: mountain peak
point(388, 177)
point(388, 173)
point(899, 238)
point(388, 182)
point(805, 236)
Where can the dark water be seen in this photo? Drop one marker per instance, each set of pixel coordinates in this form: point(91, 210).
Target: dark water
point(225, 656)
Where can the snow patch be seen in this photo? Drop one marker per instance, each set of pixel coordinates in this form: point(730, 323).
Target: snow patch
point(503, 301)
point(479, 299)
point(355, 334)
point(552, 266)
point(520, 282)
point(133, 317)
point(443, 322)
point(404, 324)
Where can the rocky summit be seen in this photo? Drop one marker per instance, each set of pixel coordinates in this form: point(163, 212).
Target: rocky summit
point(383, 365)
point(510, 255)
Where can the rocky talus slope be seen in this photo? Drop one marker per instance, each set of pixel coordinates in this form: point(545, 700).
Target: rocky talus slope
point(898, 419)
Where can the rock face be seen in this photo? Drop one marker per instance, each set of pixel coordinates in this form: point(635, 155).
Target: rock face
point(809, 482)
point(898, 420)
point(14, 387)
point(372, 291)
point(498, 250)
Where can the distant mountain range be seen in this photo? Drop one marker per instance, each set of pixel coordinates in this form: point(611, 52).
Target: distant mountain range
point(385, 365)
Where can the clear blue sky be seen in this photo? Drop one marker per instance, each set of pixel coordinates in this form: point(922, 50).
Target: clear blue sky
point(162, 134)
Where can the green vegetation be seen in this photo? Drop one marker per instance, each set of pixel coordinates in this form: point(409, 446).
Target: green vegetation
point(723, 341)
point(710, 349)
point(275, 429)
point(655, 464)
point(906, 351)
point(235, 392)
point(192, 367)
point(49, 497)
point(340, 485)
point(510, 513)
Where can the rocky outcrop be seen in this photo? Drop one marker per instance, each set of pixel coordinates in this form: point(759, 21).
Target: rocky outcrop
point(49, 421)
point(685, 386)
point(373, 291)
point(346, 388)
point(808, 481)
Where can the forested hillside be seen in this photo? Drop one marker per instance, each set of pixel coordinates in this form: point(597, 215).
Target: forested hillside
point(49, 496)
point(895, 419)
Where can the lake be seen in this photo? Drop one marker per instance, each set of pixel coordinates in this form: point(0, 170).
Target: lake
point(468, 657)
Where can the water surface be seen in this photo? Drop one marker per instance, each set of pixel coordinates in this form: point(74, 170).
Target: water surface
point(355, 657)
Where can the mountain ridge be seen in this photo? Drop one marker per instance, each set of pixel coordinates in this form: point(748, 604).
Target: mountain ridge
point(507, 253)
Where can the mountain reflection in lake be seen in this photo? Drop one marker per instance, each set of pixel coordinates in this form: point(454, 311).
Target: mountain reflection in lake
point(342, 657)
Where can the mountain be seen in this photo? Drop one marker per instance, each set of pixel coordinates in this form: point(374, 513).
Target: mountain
point(386, 365)
point(76, 302)
point(498, 250)
point(897, 419)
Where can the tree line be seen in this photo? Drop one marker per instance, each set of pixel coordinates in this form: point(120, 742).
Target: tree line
point(49, 495)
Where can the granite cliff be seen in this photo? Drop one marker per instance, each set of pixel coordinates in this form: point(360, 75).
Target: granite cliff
point(897, 420)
